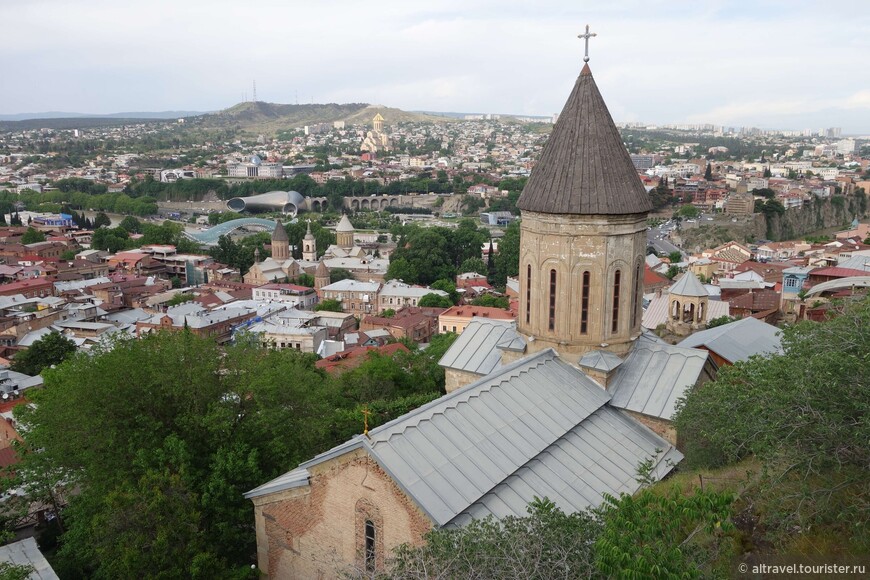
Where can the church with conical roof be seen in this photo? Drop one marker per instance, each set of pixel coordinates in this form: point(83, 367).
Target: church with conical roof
point(566, 404)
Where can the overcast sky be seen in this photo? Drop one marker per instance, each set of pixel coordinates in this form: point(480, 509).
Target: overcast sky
point(785, 64)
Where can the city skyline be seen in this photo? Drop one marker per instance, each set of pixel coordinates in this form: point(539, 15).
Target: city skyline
point(766, 64)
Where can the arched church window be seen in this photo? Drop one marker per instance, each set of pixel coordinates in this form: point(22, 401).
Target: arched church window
point(528, 293)
point(370, 555)
point(617, 280)
point(584, 303)
point(634, 301)
point(552, 324)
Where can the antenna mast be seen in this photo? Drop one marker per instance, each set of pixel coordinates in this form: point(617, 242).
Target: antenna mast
point(255, 90)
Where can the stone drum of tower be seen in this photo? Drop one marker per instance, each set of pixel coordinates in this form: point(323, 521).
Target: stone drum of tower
point(582, 234)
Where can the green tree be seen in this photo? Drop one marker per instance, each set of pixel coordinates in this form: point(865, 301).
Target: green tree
point(68, 256)
point(401, 269)
point(433, 300)
point(446, 286)
point(719, 321)
point(131, 225)
point(32, 236)
point(688, 211)
point(111, 240)
point(492, 301)
point(51, 349)
point(802, 412)
point(338, 274)
point(474, 265)
point(507, 260)
point(329, 305)
point(650, 535)
point(675, 257)
point(9, 571)
point(708, 173)
point(161, 436)
point(546, 544)
point(465, 242)
point(428, 252)
point(304, 279)
point(102, 220)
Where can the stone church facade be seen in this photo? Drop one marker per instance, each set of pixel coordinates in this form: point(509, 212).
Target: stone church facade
point(320, 528)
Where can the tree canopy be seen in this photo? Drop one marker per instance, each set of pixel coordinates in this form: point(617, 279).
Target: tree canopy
point(803, 413)
point(32, 236)
point(51, 349)
point(163, 435)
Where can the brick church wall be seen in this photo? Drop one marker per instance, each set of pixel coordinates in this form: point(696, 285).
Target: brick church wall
point(316, 531)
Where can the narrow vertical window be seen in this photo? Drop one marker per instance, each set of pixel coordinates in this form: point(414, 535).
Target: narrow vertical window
point(584, 305)
point(634, 301)
point(552, 325)
point(615, 318)
point(370, 546)
point(528, 293)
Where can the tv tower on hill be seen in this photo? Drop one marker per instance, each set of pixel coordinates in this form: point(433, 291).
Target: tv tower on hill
point(255, 90)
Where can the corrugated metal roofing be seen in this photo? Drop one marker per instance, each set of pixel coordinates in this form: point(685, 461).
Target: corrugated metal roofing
point(739, 340)
point(584, 167)
point(497, 441)
point(26, 553)
point(601, 360)
point(477, 350)
point(654, 376)
point(598, 456)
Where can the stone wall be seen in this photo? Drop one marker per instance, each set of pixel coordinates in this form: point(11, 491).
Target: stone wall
point(664, 429)
point(317, 531)
point(455, 379)
point(571, 246)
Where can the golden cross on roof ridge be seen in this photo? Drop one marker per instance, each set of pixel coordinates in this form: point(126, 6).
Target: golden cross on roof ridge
point(586, 37)
point(366, 414)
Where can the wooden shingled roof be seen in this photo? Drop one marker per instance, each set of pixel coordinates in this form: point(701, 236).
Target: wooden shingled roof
point(585, 168)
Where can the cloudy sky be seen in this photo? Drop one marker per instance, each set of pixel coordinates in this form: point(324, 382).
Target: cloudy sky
point(787, 64)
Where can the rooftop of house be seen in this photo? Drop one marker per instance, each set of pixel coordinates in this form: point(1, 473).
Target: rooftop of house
point(738, 340)
point(481, 311)
point(354, 357)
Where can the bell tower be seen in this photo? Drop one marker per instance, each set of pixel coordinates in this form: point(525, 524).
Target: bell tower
point(582, 234)
point(309, 245)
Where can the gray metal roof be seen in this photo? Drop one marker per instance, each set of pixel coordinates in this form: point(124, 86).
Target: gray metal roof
point(477, 350)
point(601, 360)
point(840, 284)
point(738, 340)
point(584, 167)
point(654, 376)
point(493, 445)
point(26, 553)
point(598, 456)
point(344, 224)
point(689, 285)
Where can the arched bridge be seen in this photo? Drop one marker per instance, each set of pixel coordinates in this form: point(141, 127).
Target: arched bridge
point(210, 236)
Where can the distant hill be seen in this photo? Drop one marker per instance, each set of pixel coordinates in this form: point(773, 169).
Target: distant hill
point(70, 123)
point(127, 115)
point(269, 118)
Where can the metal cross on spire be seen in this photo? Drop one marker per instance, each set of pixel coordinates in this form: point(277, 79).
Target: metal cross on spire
point(586, 37)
